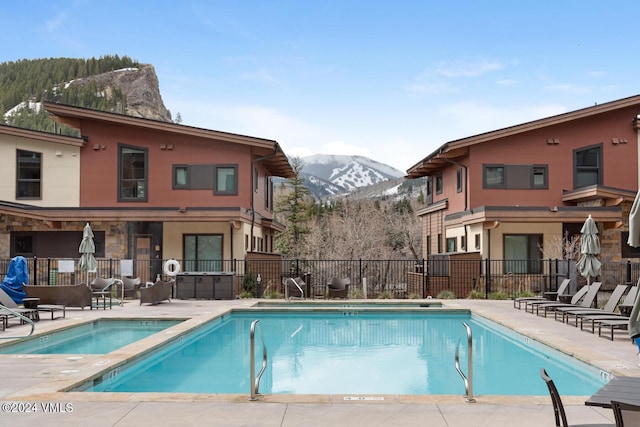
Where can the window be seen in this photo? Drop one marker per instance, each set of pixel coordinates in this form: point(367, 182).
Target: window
point(203, 252)
point(493, 176)
point(180, 176)
point(268, 193)
point(428, 245)
point(226, 180)
point(515, 177)
point(28, 175)
point(459, 180)
point(463, 243)
point(439, 183)
point(429, 190)
point(477, 241)
point(132, 173)
point(451, 244)
point(539, 177)
point(587, 166)
point(439, 248)
point(523, 253)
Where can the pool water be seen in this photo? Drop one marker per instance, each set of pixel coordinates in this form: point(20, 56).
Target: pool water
point(98, 337)
point(353, 352)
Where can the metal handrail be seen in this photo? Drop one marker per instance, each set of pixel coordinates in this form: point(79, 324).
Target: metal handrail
point(255, 380)
point(286, 288)
point(24, 318)
point(468, 382)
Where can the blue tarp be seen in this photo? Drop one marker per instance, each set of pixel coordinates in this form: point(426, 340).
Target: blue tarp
point(17, 275)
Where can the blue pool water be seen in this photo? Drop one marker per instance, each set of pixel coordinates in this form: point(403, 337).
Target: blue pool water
point(349, 352)
point(99, 337)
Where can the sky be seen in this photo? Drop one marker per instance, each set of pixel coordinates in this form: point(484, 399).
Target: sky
point(389, 80)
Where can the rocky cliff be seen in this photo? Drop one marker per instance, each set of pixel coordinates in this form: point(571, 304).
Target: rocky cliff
point(140, 86)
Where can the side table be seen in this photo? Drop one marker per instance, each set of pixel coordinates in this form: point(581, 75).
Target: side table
point(101, 296)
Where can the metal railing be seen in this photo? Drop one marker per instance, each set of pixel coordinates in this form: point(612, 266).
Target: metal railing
point(460, 276)
point(468, 379)
point(255, 380)
point(4, 311)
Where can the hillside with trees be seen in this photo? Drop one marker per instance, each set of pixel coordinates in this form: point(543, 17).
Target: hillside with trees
point(27, 82)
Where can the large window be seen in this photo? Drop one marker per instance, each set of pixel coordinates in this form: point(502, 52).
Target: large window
point(203, 252)
point(587, 166)
point(439, 183)
point(226, 180)
point(515, 177)
point(133, 173)
point(180, 176)
point(493, 176)
point(28, 175)
point(523, 253)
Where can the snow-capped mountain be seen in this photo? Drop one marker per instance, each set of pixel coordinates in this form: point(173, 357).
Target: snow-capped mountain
point(328, 175)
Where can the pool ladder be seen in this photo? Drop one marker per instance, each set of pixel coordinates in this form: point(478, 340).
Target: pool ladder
point(23, 318)
point(255, 380)
point(468, 382)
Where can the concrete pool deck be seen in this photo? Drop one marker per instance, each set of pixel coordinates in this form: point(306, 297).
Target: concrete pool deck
point(33, 382)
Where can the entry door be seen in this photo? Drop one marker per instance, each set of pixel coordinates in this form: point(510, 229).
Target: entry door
point(142, 258)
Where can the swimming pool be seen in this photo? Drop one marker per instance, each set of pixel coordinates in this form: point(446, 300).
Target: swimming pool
point(352, 352)
point(97, 337)
point(349, 304)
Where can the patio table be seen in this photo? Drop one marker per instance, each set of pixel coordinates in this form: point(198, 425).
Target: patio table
point(625, 389)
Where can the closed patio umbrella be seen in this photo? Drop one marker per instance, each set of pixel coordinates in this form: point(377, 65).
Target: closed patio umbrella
point(634, 241)
point(87, 250)
point(588, 264)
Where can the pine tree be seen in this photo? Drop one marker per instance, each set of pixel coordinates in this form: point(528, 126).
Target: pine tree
point(293, 210)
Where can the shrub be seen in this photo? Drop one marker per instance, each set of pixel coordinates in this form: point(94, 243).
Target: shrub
point(498, 295)
point(273, 295)
point(357, 294)
point(249, 284)
point(385, 295)
point(475, 294)
point(524, 294)
point(414, 296)
point(446, 295)
point(246, 294)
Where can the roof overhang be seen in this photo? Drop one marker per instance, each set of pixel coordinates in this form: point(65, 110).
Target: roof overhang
point(452, 149)
point(277, 162)
point(491, 216)
point(611, 196)
point(42, 136)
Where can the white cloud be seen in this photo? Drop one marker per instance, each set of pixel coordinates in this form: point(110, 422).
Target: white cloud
point(56, 22)
point(341, 147)
point(465, 69)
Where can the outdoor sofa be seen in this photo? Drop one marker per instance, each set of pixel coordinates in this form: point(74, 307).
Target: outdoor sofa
point(66, 295)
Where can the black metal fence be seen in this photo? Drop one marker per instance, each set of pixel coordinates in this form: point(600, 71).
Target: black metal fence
point(439, 277)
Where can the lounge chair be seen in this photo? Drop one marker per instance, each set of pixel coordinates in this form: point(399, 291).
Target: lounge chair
point(558, 407)
point(8, 302)
point(561, 291)
point(612, 325)
point(595, 318)
point(626, 414)
point(583, 298)
point(567, 312)
point(338, 288)
point(156, 293)
point(532, 305)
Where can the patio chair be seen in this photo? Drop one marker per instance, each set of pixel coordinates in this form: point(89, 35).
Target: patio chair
point(626, 414)
point(8, 302)
point(566, 312)
point(561, 291)
point(156, 293)
point(131, 286)
point(558, 408)
point(338, 288)
point(294, 288)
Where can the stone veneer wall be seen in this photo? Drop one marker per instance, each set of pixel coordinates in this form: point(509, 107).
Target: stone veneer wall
point(115, 233)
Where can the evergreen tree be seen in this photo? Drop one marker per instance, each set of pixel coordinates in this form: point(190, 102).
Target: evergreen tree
point(293, 210)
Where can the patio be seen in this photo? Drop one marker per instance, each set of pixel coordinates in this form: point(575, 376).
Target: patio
point(37, 378)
